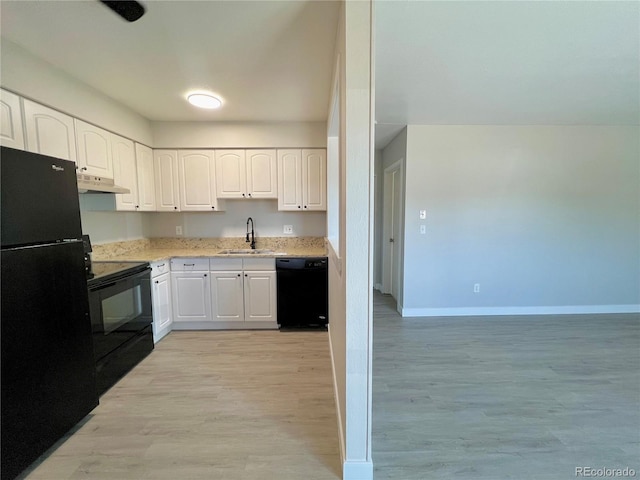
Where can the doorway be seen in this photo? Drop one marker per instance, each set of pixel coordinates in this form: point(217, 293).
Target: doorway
point(393, 198)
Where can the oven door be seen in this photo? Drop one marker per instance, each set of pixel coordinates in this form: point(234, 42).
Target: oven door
point(120, 310)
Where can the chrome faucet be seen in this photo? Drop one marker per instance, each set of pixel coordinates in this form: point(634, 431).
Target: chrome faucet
point(253, 237)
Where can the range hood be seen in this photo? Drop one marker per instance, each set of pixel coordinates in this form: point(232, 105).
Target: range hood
point(93, 184)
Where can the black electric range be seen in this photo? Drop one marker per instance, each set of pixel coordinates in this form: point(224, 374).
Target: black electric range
point(121, 318)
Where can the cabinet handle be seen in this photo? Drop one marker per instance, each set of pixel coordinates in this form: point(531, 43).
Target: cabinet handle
point(84, 169)
point(243, 195)
point(212, 207)
point(305, 206)
point(298, 206)
point(175, 208)
point(161, 265)
point(246, 275)
point(205, 274)
point(157, 281)
point(137, 206)
point(238, 274)
point(249, 194)
point(189, 264)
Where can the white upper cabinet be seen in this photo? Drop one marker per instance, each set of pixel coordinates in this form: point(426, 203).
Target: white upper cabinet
point(314, 179)
point(246, 174)
point(262, 175)
point(196, 172)
point(94, 150)
point(302, 179)
point(11, 133)
point(124, 172)
point(165, 166)
point(146, 181)
point(231, 177)
point(48, 131)
point(289, 180)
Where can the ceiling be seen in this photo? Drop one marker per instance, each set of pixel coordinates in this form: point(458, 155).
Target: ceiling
point(269, 60)
point(457, 62)
point(513, 63)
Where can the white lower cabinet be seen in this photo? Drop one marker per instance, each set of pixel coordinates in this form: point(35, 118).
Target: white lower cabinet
point(227, 301)
point(260, 297)
point(161, 298)
point(190, 292)
point(243, 292)
point(223, 293)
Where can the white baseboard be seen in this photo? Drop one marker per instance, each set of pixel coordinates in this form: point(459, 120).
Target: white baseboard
point(208, 325)
point(546, 310)
point(357, 470)
point(336, 398)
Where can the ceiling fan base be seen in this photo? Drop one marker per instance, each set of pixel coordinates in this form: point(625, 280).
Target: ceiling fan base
point(130, 10)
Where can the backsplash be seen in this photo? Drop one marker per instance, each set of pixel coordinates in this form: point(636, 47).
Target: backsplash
point(110, 250)
point(113, 249)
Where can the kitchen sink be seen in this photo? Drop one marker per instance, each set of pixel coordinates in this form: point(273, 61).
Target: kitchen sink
point(245, 251)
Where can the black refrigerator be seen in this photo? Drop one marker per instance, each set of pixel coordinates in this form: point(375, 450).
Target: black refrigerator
point(47, 364)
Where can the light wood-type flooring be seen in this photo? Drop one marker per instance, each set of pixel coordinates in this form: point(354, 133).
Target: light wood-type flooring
point(493, 398)
point(251, 405)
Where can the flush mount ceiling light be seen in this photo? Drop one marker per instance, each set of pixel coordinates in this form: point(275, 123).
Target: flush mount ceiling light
point(204, 100)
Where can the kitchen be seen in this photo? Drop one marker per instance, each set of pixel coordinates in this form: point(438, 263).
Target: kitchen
point(106, 224)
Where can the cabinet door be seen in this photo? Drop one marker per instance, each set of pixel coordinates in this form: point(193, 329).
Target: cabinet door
point(289, 180)
point(48, 131)
point(11, 134)
point(260, 296)
point(314, 179)
point(146, 182)
point(162, 315)
point(196, 171)
point(231, 176)
point(191, 301)
point(165, 167)
point(124, 172)
point(94, 150)
point(227, 297)
point(262, 175)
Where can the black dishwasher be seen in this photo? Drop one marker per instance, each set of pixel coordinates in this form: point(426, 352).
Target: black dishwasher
point(302, 293)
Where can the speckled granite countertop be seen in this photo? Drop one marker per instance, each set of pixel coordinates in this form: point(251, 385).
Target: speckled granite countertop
point(155, 249)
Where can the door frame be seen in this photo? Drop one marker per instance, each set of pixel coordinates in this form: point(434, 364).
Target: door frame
point(387, 202)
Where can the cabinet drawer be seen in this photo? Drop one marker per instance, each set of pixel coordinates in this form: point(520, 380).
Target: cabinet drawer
point(158, 268)
point(259, 264)
point(189, 264)
point(221, 264)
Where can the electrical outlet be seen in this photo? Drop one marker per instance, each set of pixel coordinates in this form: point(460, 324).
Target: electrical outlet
point(423, 229)
point(178, 230)
point(288, 229)
point(476, 288)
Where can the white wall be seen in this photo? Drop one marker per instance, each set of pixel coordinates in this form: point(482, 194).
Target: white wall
point(33, 78)
point(232, 222)
point(544, 218)
point(350, 277)
point(239, 135)
point(103, 224)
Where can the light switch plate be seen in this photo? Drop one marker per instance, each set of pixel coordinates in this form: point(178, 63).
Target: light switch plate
point(423, 214)
point(178, 230)
point(288, 229)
